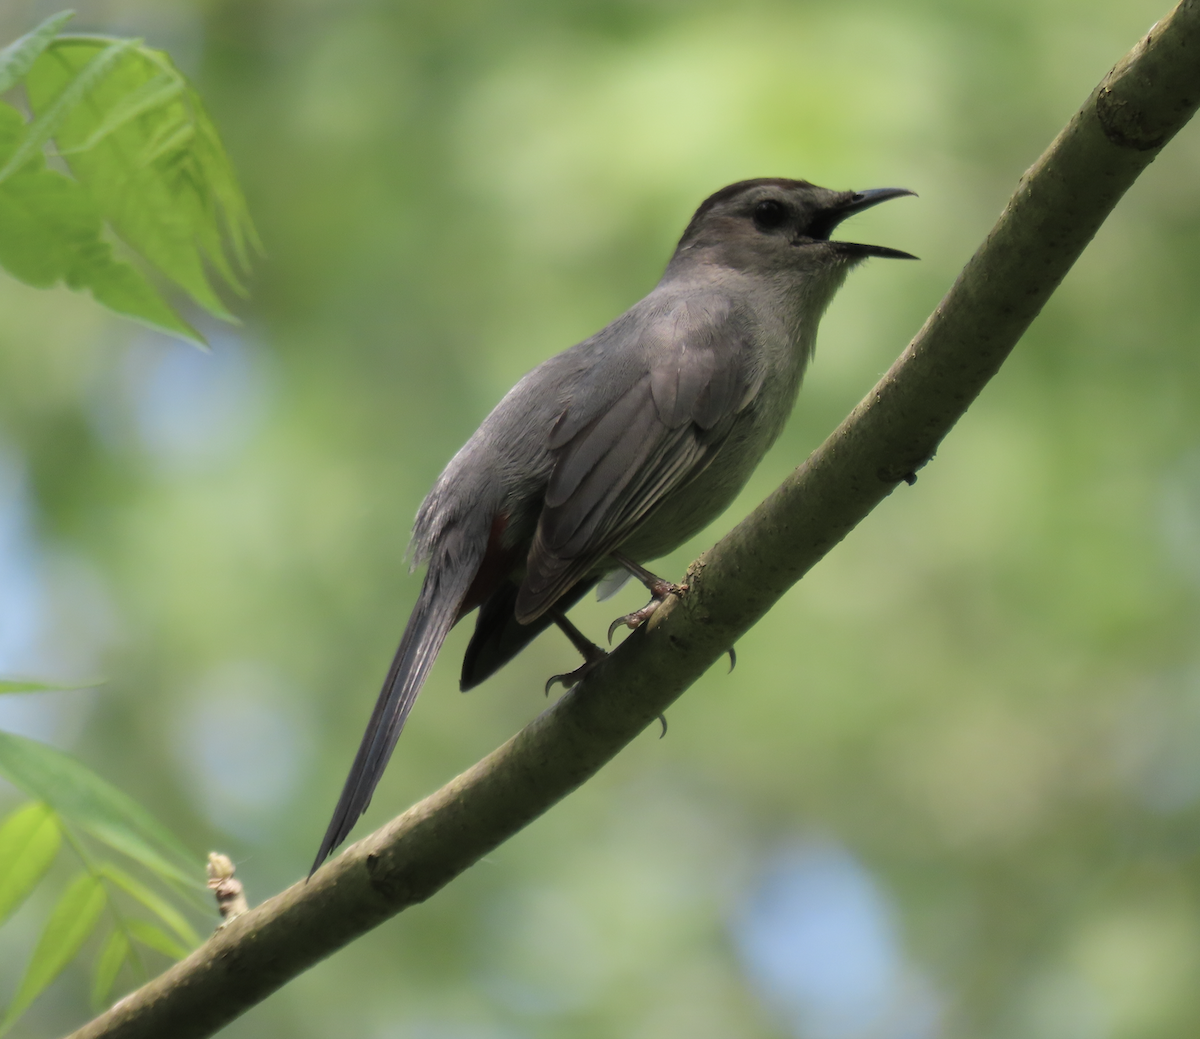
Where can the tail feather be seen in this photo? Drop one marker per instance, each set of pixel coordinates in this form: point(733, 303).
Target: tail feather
point(432, 618)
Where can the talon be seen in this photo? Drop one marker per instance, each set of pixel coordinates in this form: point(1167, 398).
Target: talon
point(658, 588)
point(630, 620)
point(572, 678)
point(732, 659)
point(663, 718)
point(636, 619)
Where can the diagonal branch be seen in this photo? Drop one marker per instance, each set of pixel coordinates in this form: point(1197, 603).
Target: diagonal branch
point(1057, 208)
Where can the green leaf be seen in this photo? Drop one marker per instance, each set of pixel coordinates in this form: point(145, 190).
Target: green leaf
point(12, 128)
point(17, 58)
point(154, 938)
point(51, 118)
point(32, 685)
point(108, 965)
point(169, 138)
point(83, 798)
point(122, 288)
point(50, 232)
point(73, 919)
point(152, 94)
point(160, 178)
point(29, 841)
point(159, 906)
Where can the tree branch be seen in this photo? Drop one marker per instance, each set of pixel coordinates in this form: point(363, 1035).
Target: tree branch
point(1057, 208)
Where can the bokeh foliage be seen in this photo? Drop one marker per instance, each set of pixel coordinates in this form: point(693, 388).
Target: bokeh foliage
point(146, 165)
point(989, 695)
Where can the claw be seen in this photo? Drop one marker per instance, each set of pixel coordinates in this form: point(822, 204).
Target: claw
point(659, 591)
point(732, 658)
point(663, 718)
point(658, 588)
point(565, 679)
point(572, 678)
point(634, 620)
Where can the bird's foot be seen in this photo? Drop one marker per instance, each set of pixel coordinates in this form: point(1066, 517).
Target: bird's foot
point(573, 678)
point(592, 654)
point(633, 620)
point(658, 588)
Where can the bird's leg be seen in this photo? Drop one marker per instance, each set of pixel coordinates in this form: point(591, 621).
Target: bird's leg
point(658, 588)
point(592, 654)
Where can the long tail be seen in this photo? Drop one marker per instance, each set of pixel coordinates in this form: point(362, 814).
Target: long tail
point(446, 582)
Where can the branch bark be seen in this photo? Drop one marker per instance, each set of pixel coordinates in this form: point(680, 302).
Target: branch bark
point(1058, 206)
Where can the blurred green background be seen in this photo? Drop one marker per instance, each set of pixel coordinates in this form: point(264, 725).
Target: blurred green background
point(953, 787)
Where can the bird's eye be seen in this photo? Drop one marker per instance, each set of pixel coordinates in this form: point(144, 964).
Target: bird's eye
point(769, 214)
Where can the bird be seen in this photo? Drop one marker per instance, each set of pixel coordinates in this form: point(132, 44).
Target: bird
point(617, 450)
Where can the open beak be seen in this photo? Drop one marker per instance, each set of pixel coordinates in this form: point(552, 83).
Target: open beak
point(856, 203)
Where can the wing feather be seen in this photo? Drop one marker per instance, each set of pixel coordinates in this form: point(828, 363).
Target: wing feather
point(615, 464)
point(607, 435)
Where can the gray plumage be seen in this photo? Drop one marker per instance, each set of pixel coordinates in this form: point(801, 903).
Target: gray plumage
point(631, 441)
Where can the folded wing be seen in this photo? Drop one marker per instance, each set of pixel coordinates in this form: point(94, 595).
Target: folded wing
point(629, 437)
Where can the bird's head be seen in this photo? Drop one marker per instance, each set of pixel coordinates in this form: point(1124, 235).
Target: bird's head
point(775, 222)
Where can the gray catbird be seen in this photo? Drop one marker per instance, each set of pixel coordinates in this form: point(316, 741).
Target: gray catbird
point(621, 448)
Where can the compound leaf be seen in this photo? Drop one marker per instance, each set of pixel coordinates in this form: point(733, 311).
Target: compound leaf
point(29, 841)
point(51, 232)
point(70, 924)
point(108, 965)
point(81, 797)
point(157, 171)
point(17, 58)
